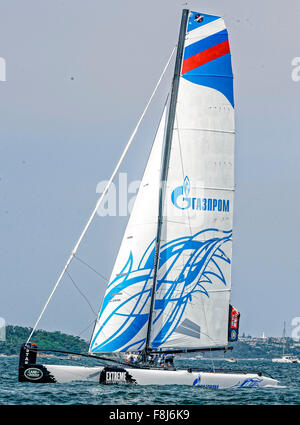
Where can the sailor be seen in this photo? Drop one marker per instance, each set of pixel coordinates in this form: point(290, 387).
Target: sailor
point(139, 357)
point(130, 359)
point(155, 359)
point(162, 360)
point(169, 360)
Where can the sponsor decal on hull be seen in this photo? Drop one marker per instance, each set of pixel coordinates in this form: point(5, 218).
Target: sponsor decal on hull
point(33, 373)
point(116, 375)
point(248, 383)
point(37, 373)
point(197, 383)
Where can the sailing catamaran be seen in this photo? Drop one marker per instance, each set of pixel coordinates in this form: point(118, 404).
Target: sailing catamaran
point(169, 290)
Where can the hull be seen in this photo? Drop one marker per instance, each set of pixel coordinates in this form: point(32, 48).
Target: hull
point(119, 375)
point(284, 360)
point(29, 371)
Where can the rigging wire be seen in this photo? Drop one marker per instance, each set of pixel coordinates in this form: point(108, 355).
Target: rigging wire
point(81, 293)
point(86, 328)
point(101, 197)
point(95, 271)
point(90, 267)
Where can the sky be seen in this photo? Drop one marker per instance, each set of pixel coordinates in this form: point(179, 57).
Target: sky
point(78, 76)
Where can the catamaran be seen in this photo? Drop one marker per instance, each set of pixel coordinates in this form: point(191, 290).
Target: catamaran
point(169, 290)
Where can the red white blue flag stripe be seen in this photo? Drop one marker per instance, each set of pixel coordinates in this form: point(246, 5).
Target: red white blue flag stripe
point(207, 59)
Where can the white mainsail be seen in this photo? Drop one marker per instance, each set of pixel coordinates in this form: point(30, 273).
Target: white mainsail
point(192, 287)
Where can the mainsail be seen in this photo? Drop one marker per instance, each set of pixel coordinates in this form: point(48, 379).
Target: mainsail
point(192, 277)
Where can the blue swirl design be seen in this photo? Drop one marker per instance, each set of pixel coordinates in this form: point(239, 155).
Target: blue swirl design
point(202, 258)
point(248, 383)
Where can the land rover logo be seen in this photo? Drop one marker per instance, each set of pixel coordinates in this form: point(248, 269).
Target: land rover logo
point(33, 373)
point(233, 334)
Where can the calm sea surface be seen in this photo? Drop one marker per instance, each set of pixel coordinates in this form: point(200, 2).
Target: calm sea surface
point(14, 393)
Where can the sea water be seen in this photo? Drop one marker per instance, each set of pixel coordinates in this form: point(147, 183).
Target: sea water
point(83, 393)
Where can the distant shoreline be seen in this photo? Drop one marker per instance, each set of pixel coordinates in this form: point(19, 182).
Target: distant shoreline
point(246, 348)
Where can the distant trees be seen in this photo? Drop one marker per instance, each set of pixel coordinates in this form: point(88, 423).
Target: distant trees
point(17, 335)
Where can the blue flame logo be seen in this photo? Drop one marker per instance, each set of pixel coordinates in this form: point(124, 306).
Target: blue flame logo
point(186, 186)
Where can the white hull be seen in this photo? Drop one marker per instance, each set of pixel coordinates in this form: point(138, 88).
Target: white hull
point(116, 375)
point(286, 360)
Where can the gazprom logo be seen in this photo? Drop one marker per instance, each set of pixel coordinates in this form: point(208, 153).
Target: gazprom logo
point(181, 198)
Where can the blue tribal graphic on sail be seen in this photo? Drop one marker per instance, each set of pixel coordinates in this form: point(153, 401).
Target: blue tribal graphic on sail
point(187, 265)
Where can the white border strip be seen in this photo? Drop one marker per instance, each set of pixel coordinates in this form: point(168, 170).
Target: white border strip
point(205, 31)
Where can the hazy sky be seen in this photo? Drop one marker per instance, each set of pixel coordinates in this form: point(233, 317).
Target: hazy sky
point(79, 74)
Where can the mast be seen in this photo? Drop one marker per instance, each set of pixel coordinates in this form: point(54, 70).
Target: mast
point(165, 165)
point(283, 337)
